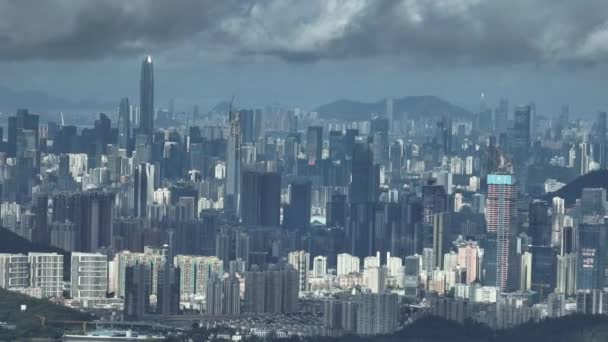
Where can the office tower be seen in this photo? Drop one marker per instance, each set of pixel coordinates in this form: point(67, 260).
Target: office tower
point(14, 271)
point(347, 264)
point(377, 314)
point(137, 290)
point(124, 125)
point(525, 272)
point(501, 116)
point(233, 165)
point(396, 160)
point(246, 124)
point(379, 128)
point(441, 223)
point(434, 201)
point(444, 130)
point(566, 274)
point(501, 218)
point(46, 273)
point(363, 194)
point(350, 137)
point(479, 203)
point(520, 135)
point(590, 260)
point(23, 144)
point(300, 261)
point(412, 266)
point(93, 216)
point(543, 269)
point(40, 233)
point(168, 290)
point(298, 211)
point(390, 115)
point(261, 199)
point(146, 98)
point(557, 222)
point(314, 145)
point(599, 143)
point(91, 212)
point(22, 121)
point(319, 266)
point(601, 127)
point(469, 257)
point(143, 189)
point(337, 150)
point(336, 211)
point(539, 223)
point(88, 276)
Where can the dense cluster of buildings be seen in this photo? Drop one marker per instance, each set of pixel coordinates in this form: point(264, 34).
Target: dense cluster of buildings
point(281, 212)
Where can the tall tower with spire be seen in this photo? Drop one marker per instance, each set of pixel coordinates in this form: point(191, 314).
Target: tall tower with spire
point(233, 163)
point(146, 97)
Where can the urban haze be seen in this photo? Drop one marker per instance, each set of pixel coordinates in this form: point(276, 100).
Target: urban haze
point(321, 170)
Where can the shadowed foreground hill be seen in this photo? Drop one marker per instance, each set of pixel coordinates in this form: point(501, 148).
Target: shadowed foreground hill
point(575, 328)
point(572, 191)
point(27, 322)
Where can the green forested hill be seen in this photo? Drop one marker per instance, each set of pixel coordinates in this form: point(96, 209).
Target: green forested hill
point(28, 322)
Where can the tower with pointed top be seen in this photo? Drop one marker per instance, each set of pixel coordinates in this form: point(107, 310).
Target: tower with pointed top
point(146, 97)
point(233, 164)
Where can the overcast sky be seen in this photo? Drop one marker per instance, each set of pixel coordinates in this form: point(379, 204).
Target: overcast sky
point(307, 52)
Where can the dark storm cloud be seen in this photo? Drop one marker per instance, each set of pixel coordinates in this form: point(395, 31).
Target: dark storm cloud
point(74, 29)
point(304, 31)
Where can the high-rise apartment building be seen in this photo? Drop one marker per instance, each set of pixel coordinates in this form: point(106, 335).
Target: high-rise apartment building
point(501, 215)
point(88, 275)
point(300, 261)
point(46, 273)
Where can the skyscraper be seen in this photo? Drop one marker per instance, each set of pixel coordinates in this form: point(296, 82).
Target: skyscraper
point(233, 165)
point(520, 139)
point(300, 261)
point(143, 189)
point(261, 200)
point(146, 97)
point(314, 145)
point(124, 124)
point(298, 212)
point(501, 211)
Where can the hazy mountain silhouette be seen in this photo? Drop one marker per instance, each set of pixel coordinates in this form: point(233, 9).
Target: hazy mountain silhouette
point(573, 190)
point(414, 106)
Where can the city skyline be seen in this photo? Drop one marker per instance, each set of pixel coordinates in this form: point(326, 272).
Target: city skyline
point(268, 219)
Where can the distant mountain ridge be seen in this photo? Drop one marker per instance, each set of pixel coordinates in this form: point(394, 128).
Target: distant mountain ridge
point(38, 101)
point(414, 106)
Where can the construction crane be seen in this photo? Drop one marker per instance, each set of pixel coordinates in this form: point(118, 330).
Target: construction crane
point(44, 321)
